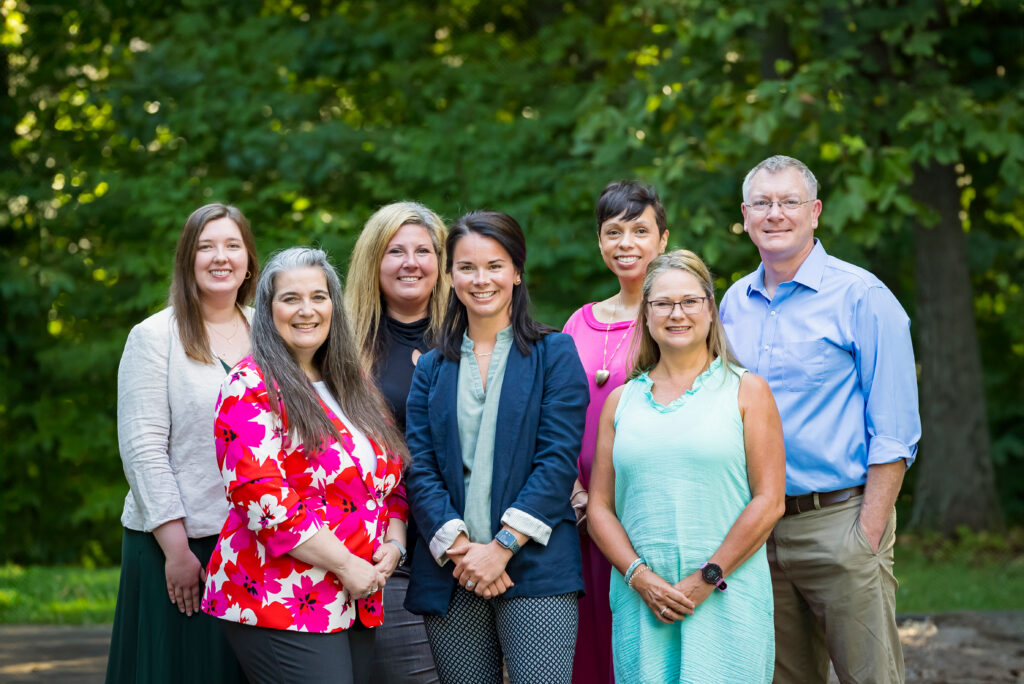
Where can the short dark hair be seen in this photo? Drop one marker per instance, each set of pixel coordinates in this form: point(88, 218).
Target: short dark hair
point(504, 230)
point(629, 198)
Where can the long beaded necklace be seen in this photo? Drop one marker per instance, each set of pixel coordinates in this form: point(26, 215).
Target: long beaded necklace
point(602, 374)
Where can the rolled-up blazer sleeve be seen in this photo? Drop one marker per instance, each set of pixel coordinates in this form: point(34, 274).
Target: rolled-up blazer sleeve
point(563, 411)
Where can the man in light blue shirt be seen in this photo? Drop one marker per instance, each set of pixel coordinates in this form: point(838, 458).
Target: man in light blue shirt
point(834, 345)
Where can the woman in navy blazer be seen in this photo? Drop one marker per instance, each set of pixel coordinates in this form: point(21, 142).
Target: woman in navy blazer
point(495, 417)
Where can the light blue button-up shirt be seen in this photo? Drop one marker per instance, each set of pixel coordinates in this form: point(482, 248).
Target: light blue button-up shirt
point(834, 345)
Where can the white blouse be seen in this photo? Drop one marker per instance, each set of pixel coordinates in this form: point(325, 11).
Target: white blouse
point(165, 422)
point(363, 449)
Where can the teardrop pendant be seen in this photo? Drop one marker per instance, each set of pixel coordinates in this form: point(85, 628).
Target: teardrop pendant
point(601, 376)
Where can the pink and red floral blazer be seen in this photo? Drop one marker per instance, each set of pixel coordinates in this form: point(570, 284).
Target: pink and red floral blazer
point(279, 497)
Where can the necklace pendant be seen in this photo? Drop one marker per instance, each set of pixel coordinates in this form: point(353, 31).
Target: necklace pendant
point(601, 376)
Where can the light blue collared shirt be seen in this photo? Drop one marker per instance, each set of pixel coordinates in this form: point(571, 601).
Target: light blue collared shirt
point(478, 417)
point(834, 345)
point(478, 424)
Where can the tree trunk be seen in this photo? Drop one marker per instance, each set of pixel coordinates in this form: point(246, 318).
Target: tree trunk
point(955, 485)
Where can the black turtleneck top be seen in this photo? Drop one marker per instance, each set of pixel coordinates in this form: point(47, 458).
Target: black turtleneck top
point(393, 373)
point(394, 366)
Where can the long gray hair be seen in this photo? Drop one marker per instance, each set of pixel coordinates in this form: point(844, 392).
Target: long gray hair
point(336, 359)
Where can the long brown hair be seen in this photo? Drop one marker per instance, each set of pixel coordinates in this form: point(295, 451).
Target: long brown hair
point(184, 295)
point(507, 232)
point(336, 359)
point(362, 285)
point(647, 351)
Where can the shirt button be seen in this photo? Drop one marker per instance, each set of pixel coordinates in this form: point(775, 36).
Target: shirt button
point(773, 312)
point(766, 347)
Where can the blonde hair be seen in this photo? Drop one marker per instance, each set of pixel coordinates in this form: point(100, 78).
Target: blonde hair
point(647, 353)
point(363, 299)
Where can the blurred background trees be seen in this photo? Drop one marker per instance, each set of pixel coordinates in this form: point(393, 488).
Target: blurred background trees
point(120, 117)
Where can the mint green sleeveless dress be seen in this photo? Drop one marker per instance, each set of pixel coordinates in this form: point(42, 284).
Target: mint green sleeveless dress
point(680, 484)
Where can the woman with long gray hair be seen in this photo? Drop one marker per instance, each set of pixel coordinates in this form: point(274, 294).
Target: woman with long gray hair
point(312, 466)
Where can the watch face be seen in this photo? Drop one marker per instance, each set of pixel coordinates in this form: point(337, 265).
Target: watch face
point(712, 573)
point(507, 539)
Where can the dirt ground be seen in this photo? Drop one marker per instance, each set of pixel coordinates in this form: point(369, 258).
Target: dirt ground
point(948, 648)
point(53, 653)
point(958, 648)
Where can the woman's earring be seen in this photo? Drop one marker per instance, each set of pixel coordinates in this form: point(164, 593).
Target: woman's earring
point(248, 275)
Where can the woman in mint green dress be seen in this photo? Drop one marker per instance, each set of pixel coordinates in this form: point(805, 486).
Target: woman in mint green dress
point(688, 481)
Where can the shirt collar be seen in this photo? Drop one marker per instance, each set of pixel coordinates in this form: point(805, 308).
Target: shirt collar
point(504, 337)
point(809, 274)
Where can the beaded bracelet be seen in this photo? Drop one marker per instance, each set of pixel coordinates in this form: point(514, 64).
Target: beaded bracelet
point(639, 571)
point(629, 571)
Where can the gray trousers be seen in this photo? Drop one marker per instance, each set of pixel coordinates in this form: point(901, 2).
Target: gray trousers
point(401, 653)
point(281, 656)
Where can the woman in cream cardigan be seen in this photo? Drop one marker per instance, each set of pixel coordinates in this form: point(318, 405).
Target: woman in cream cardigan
point(171, 369)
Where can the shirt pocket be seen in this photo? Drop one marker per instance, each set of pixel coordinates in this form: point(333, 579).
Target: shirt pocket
point(800, 366)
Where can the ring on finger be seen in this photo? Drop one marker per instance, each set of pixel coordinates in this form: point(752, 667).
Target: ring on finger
point(470, 584)
point(663, 611)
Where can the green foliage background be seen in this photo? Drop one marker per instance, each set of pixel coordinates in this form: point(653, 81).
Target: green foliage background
point(121, 117)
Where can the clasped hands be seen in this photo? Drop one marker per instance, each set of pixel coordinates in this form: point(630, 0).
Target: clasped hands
point(363, 579)
point(386, 558)
point(671, 602)
point(480, 568)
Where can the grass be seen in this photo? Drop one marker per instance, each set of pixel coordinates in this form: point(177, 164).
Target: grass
point(971, 572)
point(983, 571)
point(57, 595)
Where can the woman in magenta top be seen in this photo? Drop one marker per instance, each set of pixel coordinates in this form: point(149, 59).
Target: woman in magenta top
point(631, 232)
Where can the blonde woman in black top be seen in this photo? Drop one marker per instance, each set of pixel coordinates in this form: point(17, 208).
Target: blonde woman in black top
point(395, 294)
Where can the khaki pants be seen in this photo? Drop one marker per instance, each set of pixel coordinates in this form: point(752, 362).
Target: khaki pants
point(834, 598)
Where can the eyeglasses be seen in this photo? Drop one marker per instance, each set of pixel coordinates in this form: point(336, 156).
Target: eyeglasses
point(665, 307)
point(762, 206)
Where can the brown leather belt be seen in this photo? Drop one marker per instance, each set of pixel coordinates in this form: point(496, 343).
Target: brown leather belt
point(816, 500)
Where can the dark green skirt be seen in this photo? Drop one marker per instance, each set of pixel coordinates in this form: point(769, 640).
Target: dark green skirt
point(152, 642)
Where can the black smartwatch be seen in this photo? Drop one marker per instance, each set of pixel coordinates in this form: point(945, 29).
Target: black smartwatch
point(712, 574)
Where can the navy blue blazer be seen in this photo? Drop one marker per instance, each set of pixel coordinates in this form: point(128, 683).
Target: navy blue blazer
point(541, 415)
